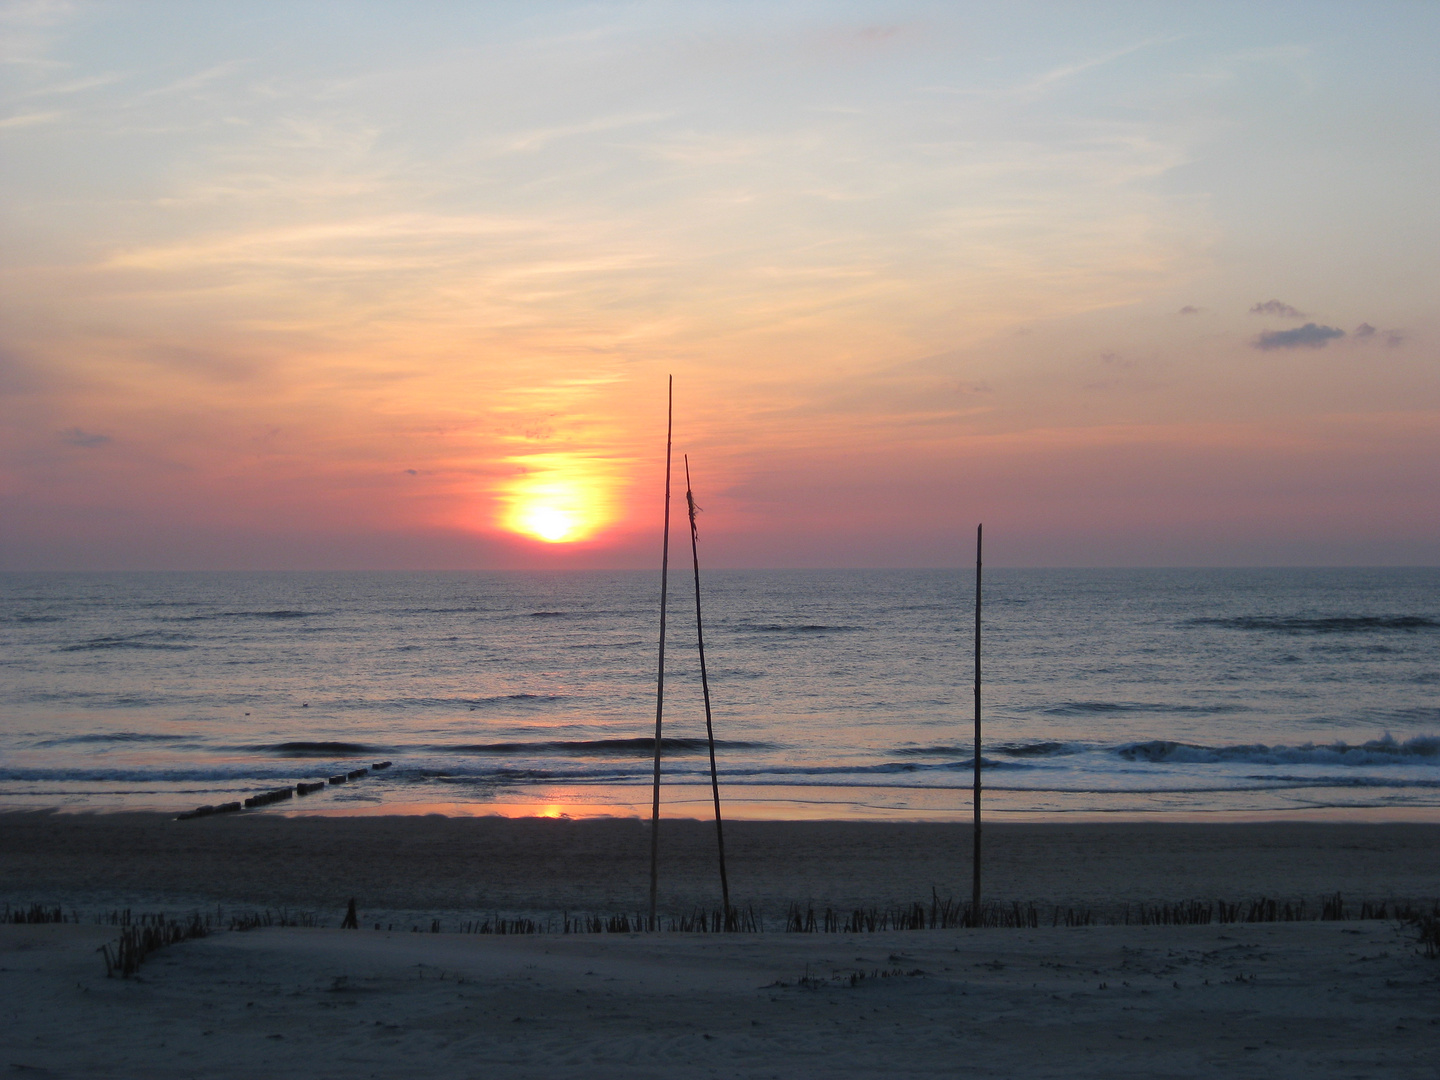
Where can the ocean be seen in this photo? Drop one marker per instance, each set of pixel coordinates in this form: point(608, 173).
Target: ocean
point(837, 694)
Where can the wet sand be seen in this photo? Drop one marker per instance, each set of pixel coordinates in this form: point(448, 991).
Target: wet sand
point(454, 868)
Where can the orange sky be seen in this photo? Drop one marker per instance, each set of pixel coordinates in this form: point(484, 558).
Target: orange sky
point(295, 286)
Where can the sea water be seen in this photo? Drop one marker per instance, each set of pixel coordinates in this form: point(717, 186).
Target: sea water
point(839, 694)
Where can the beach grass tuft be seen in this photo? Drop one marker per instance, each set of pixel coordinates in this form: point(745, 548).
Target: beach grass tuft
point(848, 979)
point(138, 939)
point(255, 920)
point(1427, 926)
point(37, 913)
point(945, 914)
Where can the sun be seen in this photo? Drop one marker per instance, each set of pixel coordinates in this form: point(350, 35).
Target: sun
point(550, 524)
point(559, 498)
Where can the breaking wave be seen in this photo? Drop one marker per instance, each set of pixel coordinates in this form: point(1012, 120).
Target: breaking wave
point(1042, 749)
point(136, 641)
point(211, 775)
point(794, 628)
point(319, 749)
point(1421, 750)
point(1331, 624)
point(588, 747)
point(1091, 708)
point(114, 737)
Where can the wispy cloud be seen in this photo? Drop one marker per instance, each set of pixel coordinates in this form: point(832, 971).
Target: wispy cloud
point(396, 241)
point(1277, 307)
point(1309, 336)
point(1069, 71)
point(1365, 331)
point(195, 81)
point(26, 120)
point(24, 36)
point(74, 86)
point(539, 138)
point(80, 437)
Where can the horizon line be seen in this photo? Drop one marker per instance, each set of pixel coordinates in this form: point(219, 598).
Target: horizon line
point(962, 567)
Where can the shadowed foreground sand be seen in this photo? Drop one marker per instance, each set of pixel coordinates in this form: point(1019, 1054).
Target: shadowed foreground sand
point(1312, 999)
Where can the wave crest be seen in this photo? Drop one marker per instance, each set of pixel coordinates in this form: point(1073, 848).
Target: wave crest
point(302, 748)
point(588, 747)
point(1421, 750)
point(1328, 624)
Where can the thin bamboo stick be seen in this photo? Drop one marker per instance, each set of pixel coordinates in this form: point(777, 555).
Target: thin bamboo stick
point(975, 854)
point(660, 676)
point(705, 690)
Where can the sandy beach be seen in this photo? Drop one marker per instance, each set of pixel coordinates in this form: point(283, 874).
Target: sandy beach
point(460, 868)
point(1352, 998)
point(1308, 999)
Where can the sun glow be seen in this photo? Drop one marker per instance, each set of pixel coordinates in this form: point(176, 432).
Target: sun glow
point(560, 498)
point(549, 524)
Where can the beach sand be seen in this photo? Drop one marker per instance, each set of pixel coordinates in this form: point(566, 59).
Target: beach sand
point(1311, 999)
point(429, 866)
point(1314, 999)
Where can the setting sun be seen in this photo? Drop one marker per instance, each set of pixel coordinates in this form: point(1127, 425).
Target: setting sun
point(548, 523)
point(560, 498)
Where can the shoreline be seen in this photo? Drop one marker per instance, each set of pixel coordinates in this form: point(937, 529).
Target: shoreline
point(897, 803)
point(768, 812)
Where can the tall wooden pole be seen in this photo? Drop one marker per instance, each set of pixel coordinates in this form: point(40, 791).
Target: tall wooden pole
point(705, 690)
point(975, 856)
point(660, 677)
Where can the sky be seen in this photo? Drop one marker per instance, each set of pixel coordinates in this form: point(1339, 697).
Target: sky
point(378, 286)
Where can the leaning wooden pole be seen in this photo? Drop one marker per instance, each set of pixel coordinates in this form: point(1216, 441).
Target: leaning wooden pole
point(975, 852)
point(660, 676)
point(705, 690)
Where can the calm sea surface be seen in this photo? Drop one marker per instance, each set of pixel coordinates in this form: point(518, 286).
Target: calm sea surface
point(837, 693)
